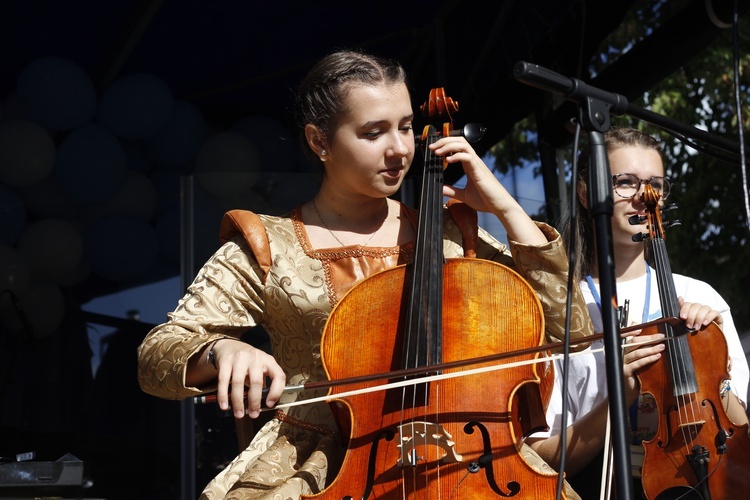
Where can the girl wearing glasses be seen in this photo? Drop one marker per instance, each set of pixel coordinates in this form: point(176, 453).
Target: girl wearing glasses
point(635, 159)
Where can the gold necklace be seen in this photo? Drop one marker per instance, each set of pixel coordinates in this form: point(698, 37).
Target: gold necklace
point(315, 206)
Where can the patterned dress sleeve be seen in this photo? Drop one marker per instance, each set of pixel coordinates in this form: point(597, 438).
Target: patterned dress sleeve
point(224, 300)
point(546, 269)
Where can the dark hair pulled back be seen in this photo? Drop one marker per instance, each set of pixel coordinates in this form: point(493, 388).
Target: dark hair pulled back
point(321, 98)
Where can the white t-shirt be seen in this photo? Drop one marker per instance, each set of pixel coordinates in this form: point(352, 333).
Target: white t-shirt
point(587, 375)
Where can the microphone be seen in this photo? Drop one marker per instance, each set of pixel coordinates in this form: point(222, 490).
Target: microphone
point(572, 88)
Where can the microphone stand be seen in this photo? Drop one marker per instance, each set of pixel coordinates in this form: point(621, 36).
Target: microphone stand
point(596, 106)
point(594, 116)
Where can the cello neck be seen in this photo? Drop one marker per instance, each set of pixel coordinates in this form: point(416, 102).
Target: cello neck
point(424, 330)
point(424, 309)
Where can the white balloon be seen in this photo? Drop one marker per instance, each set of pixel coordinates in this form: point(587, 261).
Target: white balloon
point(27, 153)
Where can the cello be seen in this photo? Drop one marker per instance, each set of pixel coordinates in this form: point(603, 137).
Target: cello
point(456, 438)
point(697, 452)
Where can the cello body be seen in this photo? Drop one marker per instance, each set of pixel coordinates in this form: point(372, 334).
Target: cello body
point(455, 433)
point(454, 438)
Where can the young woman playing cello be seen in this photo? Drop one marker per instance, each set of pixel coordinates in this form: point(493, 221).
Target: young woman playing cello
point(287, 273)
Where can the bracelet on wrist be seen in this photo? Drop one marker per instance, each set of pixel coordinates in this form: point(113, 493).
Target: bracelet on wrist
point(211, 357)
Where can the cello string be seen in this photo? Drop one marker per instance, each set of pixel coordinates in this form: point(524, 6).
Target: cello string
point(413, 326)
point(434, 284)
point(436, 265)
point(424, 326)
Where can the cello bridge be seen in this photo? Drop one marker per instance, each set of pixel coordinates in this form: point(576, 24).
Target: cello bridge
point(421, 435)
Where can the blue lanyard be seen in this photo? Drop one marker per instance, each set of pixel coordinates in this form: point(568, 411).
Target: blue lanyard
point(633, 410)
point(598, 299)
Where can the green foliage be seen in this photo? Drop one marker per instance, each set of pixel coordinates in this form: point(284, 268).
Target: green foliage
point(519, 146)
point(712, 241)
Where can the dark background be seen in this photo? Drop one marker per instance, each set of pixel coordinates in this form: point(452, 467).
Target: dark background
point(234, 60)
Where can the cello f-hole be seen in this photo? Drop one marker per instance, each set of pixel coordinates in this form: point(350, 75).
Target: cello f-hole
point(388, 435)
point(485, 462)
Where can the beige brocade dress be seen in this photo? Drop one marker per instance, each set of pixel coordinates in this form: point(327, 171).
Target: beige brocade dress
point(274, 278)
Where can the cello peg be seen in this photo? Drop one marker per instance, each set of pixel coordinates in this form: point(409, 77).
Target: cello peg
point(472, 131)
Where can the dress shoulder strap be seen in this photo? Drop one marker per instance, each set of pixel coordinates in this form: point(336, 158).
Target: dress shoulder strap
point(249, 225)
